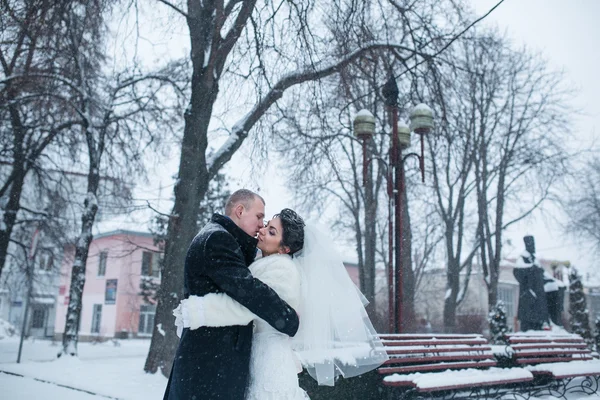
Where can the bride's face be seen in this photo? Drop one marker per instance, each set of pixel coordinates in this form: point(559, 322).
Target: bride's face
point(269, 239)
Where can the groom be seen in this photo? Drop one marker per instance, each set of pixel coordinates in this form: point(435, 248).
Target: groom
point(213, 363)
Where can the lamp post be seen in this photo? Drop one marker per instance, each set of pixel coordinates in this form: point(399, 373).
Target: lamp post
point(421, 122)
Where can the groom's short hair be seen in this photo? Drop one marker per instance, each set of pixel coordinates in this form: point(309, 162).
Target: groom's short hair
point(243, 196)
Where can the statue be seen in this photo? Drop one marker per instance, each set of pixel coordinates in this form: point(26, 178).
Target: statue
point(533, 309)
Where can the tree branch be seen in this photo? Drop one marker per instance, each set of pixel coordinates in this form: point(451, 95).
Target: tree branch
point(174, 7)
point(241, 128)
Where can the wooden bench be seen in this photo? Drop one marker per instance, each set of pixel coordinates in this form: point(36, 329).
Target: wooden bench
point(429, 363)
point(549, 355)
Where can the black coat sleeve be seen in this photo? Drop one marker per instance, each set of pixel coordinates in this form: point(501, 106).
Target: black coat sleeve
point(229, 272)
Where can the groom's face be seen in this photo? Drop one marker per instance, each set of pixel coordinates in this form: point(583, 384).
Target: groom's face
point(252, 216)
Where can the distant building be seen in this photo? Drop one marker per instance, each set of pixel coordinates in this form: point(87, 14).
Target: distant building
point(14, 290)
point(111, 303)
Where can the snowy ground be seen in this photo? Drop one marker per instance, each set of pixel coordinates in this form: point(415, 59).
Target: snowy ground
point(103, 370)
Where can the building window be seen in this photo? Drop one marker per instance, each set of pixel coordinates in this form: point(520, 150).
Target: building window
point(151, 264)
point(96, 318)
point(45, 261)
point(38, 318)
point(507, 295)
point(147, 312)
point(110, 295)
point(102, 263)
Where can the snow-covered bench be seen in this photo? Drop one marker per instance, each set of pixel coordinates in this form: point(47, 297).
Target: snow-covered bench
point(557, 361)
point(557, 355)
point(430, 363)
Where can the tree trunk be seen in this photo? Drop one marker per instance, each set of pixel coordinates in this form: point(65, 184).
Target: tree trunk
point(496, 255)
point(191, 186)
point(450, 300)
point(71, 332)
point(10, 215)
point(14, 197)
point(452, 282)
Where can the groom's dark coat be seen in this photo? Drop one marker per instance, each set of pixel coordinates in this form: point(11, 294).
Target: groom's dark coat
point(213, 363)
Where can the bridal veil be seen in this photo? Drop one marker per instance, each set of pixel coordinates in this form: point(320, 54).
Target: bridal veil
point(335, 337)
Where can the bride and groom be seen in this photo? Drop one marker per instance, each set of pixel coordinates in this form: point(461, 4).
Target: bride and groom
point(248, 326)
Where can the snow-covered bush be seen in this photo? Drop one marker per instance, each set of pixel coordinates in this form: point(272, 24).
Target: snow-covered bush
point(6, 329)
point(498, 325)
point(579, 320)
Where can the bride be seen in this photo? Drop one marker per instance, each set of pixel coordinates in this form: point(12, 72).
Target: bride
point(335, 337)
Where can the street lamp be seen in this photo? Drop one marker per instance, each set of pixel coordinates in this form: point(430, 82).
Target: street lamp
point(421, 122)
point(364, 129)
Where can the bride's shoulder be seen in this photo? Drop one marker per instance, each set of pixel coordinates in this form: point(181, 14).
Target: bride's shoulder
point(279, 259)
point(275, 261)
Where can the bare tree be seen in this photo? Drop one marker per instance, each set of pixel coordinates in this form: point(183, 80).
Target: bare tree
point(33, 42)
point(120, 115)
point(500, 112)
point(519, 105)
point(583, 208)
point(451, 154)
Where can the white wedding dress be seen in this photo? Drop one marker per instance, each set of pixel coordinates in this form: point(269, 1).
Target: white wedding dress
point(274, 367)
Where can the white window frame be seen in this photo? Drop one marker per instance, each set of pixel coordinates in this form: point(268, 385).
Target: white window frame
point(154, 264)
point(146, 323)
point(102, 261)
point(96, 318)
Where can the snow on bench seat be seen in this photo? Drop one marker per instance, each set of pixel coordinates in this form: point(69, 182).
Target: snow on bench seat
point(465, 378)
point(437, 366)
point(531, 348)
point(563, 370)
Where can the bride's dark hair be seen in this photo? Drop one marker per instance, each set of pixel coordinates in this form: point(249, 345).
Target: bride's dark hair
point(293, 230)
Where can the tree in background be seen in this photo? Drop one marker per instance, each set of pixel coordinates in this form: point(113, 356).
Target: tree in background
point(121, 113)
point(580, 318)
point(33, 114)
point(583, 206)
point(501, 114)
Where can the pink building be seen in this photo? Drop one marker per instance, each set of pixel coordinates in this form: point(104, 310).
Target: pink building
point(112, 305)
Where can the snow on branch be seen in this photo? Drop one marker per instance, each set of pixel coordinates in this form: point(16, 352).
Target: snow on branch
point(240, 130)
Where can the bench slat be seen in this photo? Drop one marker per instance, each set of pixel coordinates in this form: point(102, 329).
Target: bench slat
point(438, 350)
point(436, 367)
point(543, 352)
point(549, 346)
point(457, 357)
point(433, 342)
point(409, 336)
point(543, 340)
point(551, 360)
point(470, 385)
